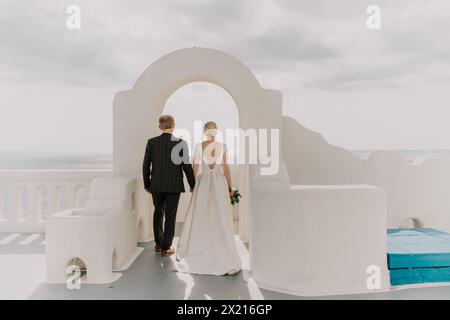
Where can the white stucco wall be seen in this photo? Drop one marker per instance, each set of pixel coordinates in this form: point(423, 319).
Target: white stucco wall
point(420, 191)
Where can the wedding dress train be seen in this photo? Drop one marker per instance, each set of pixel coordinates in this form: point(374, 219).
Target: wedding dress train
point(206, 244)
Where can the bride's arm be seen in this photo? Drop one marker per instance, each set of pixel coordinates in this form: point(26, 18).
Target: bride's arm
point(197, 159)
point(195, 167)
point(226, 169)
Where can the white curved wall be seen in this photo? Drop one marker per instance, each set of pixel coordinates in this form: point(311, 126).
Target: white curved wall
point(419, 191)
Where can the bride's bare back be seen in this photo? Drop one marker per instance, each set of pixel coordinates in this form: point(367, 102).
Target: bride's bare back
point(211, 152)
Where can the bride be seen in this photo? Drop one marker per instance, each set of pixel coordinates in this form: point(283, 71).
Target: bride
point(206, 244)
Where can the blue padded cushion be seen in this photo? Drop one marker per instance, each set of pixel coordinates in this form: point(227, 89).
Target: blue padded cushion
point(419, 275)
point(418, 248)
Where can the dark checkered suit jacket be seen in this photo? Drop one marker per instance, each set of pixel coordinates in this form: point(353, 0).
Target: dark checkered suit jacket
point(161, 174)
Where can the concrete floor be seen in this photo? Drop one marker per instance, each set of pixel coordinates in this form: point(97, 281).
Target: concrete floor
point(22, 275)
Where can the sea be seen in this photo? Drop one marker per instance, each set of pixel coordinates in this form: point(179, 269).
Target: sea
point(409, 155)
point(28, 160)
point(44, 160)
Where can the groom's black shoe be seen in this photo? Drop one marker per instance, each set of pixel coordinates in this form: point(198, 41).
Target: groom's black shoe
point(168, 252)
point(157, 248)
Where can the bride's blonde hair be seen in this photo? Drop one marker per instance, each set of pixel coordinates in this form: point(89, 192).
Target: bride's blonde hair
point(210, 129)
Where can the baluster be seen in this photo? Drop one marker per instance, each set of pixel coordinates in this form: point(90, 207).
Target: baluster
point(22, 200)
point(71, 195)
point(86, 192)
point(14, 214)
point(78, 196)
point(33, 204)
point(40, 203)
point(52, 199)
point(2, 204)
point(22, 203)
point(59, 198)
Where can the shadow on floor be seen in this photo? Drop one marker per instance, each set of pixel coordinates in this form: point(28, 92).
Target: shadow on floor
point(153, 277)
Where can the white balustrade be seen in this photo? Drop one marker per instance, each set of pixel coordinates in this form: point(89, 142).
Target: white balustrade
point(29, 197)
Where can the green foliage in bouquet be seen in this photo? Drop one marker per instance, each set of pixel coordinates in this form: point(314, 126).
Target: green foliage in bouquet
point(235, 197)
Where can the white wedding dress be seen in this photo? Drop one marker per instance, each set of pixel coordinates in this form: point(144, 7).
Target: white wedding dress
point(206, 244)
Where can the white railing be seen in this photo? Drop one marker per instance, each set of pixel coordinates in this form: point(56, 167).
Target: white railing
point(28, 197)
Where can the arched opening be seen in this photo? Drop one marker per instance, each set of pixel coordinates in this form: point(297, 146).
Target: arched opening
point(194, 104)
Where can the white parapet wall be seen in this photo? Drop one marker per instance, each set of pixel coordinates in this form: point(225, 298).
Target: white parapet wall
point(29, 197)
point(317, 240)
point(103, 235)
point(414, 190)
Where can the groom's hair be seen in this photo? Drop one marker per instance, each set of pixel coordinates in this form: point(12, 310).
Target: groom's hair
point(166, 121)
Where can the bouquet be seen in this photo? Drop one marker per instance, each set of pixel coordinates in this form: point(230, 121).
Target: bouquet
point(235, 195)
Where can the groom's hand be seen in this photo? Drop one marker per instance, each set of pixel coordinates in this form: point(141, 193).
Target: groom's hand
point(148, 190)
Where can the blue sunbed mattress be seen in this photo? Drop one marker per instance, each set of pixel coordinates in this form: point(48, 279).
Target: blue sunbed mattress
point(418, 248)
point(419, 275)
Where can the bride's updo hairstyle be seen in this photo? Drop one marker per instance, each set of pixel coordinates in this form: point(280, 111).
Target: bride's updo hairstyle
point(210, 129)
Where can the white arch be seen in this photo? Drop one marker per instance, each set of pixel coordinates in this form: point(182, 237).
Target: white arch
point(199, 64)
point(136, 111)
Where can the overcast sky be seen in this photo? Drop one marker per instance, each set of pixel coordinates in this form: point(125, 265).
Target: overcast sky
point(360, 88)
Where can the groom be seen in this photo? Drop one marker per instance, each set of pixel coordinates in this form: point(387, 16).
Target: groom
point(166, 157)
